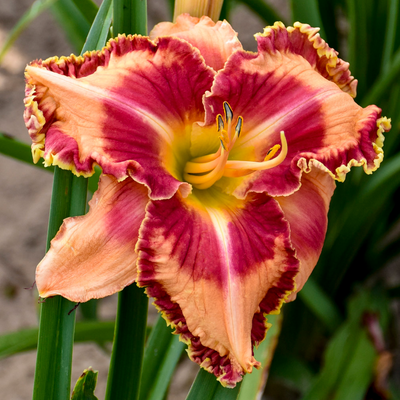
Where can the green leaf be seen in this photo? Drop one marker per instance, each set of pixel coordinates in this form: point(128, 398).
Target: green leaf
point(98, 34)
point(73, 22)
point(35, 10)
point(87, 8)
point(363, 210)
point(390, 37)
point(320, 304)
point(382, 85)
point(358, 372)
point(129, 338)
point(206, 387)
point(307, 11)
point(85, 386)
point(57, 324)
point(358, 41)
point(253, 384)
point(155, 351)
point(166, 369)
point(293, 371)
point(19, 151)
point(350, 356)
point(267, 13)
point(129, 17)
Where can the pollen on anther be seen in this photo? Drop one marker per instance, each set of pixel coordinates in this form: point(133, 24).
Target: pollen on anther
point(228, 111)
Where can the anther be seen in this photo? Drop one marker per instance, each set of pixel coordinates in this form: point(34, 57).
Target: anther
point(220, 122)
point(238, 127)
point(228, 112)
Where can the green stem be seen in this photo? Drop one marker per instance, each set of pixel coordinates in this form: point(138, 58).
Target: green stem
point(130, 16)
point(56, 326)
point(156, 346)
point(129, 338)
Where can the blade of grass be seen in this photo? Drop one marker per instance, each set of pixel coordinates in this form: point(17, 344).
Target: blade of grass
point(26, 339)
point(127, 354)
point(206, 387)
point(268, 14)
point(253, 384)
point(320, 304)
point(166, 369)
point(22, 152)
point(382, 85)
point(35, 10)
point(87, 8)
point(358, 42)
point(56, 327)
point(307, 11)
point(73, 22)
point(100, 29)
point(358, 217)
point(130, 16)
point(293, 371)
point(359, 372)
point(156, 347)
point(350, 356)
point(130, 327)
point(390, 34)
point(19, 151)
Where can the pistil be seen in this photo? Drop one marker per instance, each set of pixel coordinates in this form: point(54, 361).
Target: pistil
point(202, 172)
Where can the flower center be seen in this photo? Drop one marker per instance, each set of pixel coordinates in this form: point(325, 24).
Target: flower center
point(203, 172)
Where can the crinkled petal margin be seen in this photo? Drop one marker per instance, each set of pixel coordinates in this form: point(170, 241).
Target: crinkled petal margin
point(128, 108)
point(291, 85)
point(216, 266)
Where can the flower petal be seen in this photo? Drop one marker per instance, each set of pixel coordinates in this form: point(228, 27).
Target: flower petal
point(295, 84)
point(212, 262)
point(307, 213)
point(128, 108)
point(216, 41)
point(93, 256)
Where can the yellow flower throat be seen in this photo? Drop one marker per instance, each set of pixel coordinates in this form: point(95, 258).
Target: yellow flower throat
point(203, 172)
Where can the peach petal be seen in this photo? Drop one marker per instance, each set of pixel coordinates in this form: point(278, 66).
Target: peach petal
point(216, 41)
point(213, 262)
point(93, 256)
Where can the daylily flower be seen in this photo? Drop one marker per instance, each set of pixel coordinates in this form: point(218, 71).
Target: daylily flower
point(218, 169)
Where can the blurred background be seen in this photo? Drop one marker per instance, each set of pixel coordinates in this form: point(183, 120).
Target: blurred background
point(341, 338)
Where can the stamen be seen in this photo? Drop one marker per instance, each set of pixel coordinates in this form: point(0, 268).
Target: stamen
point(238, 127)
point(203, 172)
point(220, 123)
point(272, 151)
point(242, 168)
point(228, 112)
